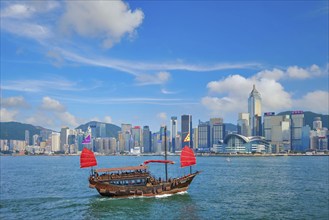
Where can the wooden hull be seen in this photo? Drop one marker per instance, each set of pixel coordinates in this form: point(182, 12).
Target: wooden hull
point(161, 188)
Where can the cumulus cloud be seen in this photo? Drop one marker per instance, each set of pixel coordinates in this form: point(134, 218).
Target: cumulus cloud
point(151, 79)
point(52, 105)
point(317, 101)
point(15, 101)
point(8, 115)
point(67, 119)
point(292, 72)
point(105, 20)
point(108, 119)
point(229, 95)
point(162, 116)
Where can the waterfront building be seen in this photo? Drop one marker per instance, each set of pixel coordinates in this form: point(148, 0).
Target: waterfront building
point(101, 128)
point(236, 143)
point(203, 136)
point(255, 111)
point(55, 142)
point(317, 123)
point(17, 145)
point(121, 141)
point(318, 136)
point(217, 131)
point(27, 137)
point(147, 139)
point(277, 131)
point(306, 138)
point(174, 132)
point(4, 146)
point(35, 140)
point(196, 138)
point(186, 131)
point(136, 133)
point(64, 137)
point(243, 125)
point(113, 145)
point(297, 123)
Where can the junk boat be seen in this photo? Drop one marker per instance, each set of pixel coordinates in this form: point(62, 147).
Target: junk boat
point(137, 180)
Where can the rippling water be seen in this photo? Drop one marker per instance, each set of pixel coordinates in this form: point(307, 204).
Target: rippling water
point(43, 187)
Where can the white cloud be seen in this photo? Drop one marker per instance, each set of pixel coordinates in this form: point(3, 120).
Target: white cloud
point(108, 119)
point(231, 95)
point(274, 74)
point(28, 9)
point(162, 116)
point(149, 79)
point(316, 101)
point(41, 85)
point(52, 105)
point(292, 72)
point(15, 101)
point(8, 115)
point(67, 119)
point(106, 20)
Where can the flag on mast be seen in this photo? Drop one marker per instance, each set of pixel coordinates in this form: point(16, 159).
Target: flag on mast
point(87, 140)
point(187, 138)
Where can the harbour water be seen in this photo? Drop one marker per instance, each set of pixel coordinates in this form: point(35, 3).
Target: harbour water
point(54, 187)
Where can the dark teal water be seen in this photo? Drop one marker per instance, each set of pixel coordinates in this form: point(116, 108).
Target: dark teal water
point(245, 188)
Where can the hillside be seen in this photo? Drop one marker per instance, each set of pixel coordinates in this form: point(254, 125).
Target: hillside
point(309, 118)
point(111, 129)
point(16, 130)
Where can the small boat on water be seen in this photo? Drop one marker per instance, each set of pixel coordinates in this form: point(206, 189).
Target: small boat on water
point(137, 180)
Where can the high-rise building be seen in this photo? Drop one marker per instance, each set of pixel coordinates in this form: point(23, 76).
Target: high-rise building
point(217, 131)
point(204, 136)
point(186, 123)
point(55, 142)
point(255, 112)
point(27, 137)
point(64, 138)
point(243, 124)
point(174, 130)
point(127, 139)
point(101, 127)
point(136, 133)
point(277, 131)
point(147, 139)
point(317, 123)
point(297, 123)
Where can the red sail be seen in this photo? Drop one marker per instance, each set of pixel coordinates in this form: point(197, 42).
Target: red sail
point(187, 157)
point(87, 158)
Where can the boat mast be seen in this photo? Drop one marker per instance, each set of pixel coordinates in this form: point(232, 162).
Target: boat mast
point(165, 145)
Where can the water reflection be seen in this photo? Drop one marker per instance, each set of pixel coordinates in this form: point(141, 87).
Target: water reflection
point(179, 206)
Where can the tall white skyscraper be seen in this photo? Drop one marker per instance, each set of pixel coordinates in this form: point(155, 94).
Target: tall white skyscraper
point(255, 112)
point(55, 142)
point(173, 134)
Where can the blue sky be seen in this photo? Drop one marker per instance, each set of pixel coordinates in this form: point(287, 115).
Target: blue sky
point(64, 63)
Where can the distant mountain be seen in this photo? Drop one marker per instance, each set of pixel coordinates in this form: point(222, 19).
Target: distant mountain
point(230, 127)
point(16, 130)
point(110, 129)
point(309, 118)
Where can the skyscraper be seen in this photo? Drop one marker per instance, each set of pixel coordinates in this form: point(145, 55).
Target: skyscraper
point(243, 124)
point(64, 138)
point(187, 139)
point(173, 126)
point(27, 137)
point(297, 123)
point(255, 112)
point(204, 136)
point(147, 139)
point(217, 131)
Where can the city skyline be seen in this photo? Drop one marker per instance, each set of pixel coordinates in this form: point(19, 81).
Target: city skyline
point(146, 62)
